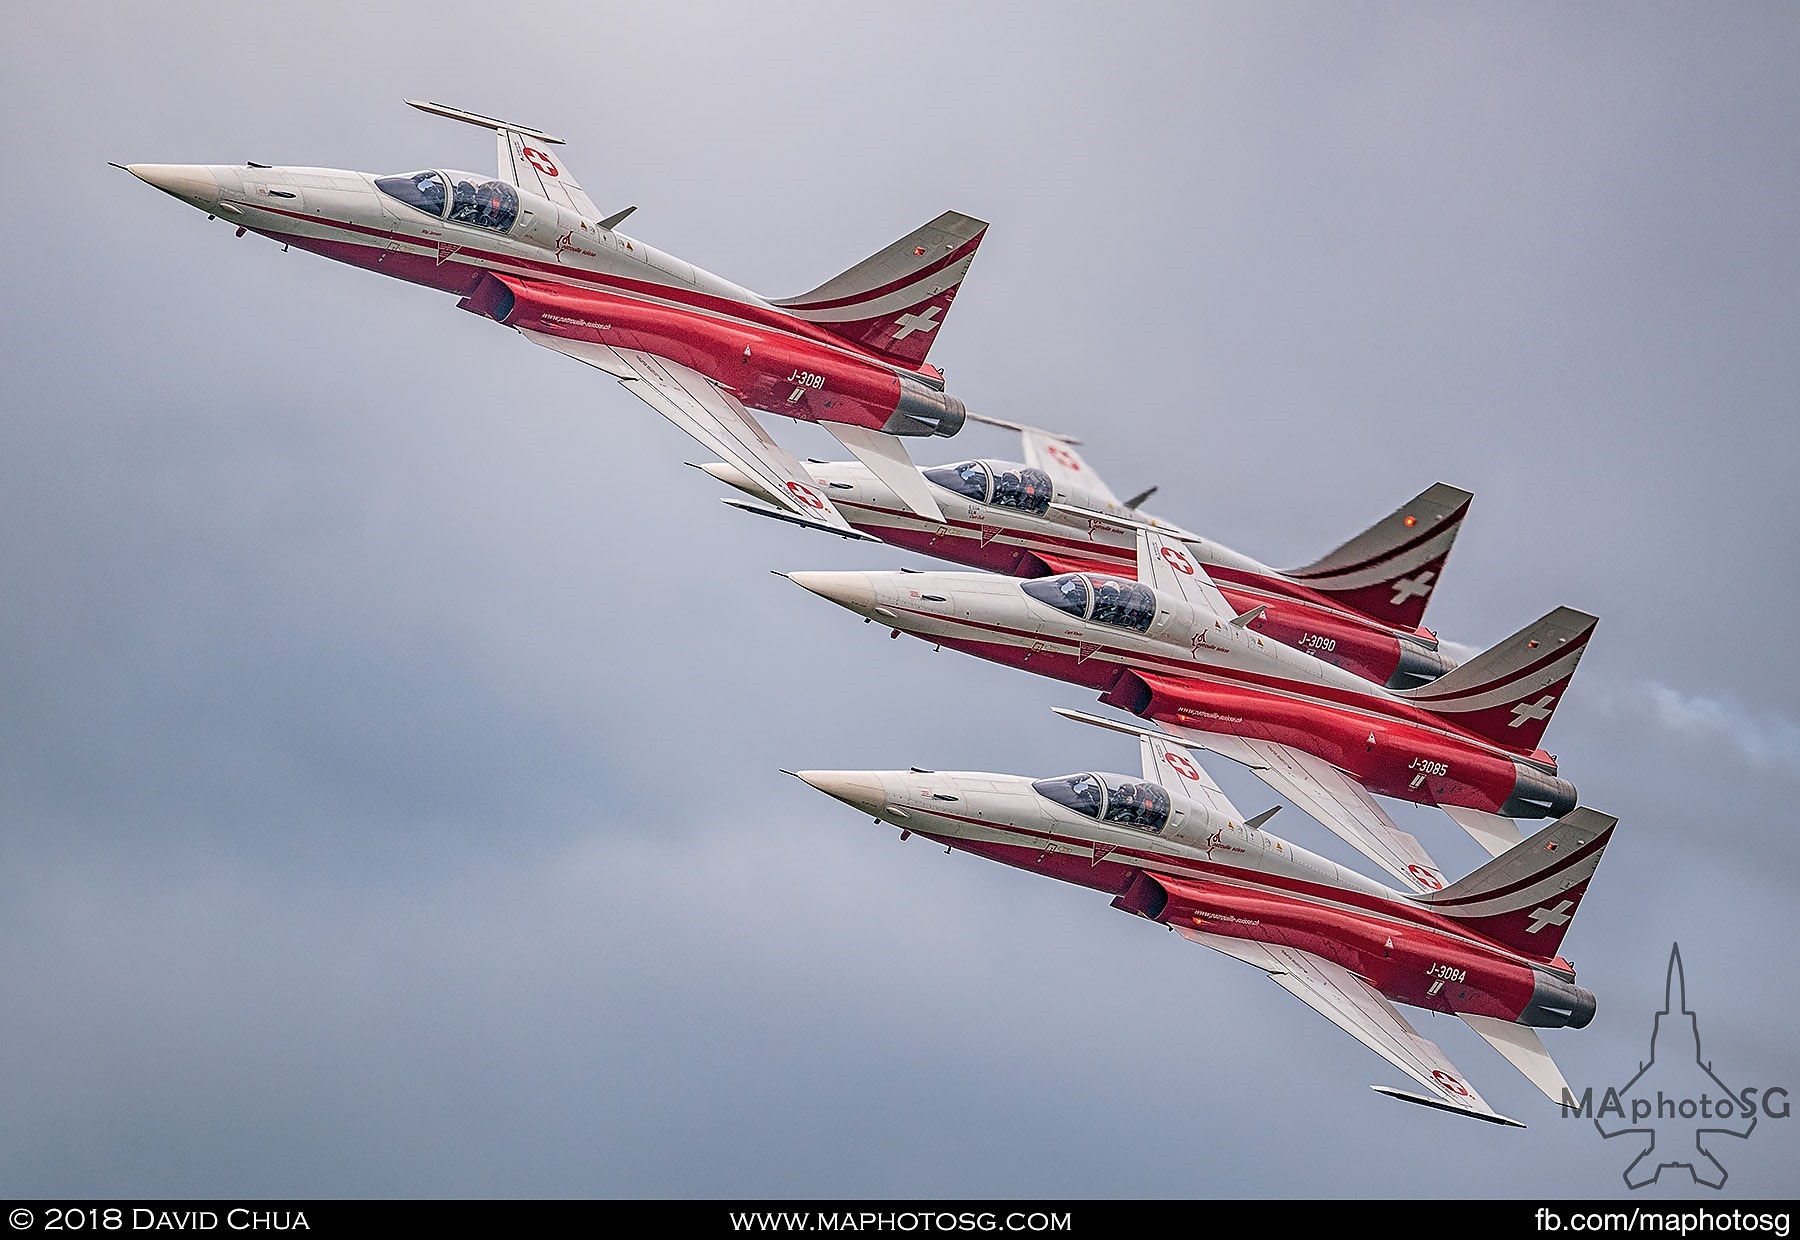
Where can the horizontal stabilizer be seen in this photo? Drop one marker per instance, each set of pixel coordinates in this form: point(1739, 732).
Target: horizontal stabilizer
point(1524, 1049)
point(1494, 832)
point(887, 459)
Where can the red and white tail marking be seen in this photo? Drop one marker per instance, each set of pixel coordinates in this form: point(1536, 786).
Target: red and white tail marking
point(894, 301)
point(1508, 693)
point(1526, 897)
point(1389, 571)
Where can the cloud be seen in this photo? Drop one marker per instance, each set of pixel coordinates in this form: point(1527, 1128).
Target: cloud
point(1764, 739)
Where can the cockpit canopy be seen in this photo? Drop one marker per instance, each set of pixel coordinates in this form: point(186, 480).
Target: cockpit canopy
point(1111, 798)
point(1103, 600)
point(462, 198)
point(999, 483)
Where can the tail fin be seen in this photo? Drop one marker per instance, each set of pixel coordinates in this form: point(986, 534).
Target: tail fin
point(1388, 571)
point(894, 301)
point(1526, 897)
point(1508, 692)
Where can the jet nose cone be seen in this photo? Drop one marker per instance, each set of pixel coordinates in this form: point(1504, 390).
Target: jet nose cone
point(192, 183)
point(863, 789)
point(852, 590)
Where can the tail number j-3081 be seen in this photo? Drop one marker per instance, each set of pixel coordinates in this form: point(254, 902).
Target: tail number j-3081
point(806, 378)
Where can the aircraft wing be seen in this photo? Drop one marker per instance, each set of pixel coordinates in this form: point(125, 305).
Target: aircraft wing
point(1493, 832)
point(1056, 456)
point(1164, 564)
point(1365, 1014)
point(524, 159)
point(1166, 761)
point(695, 404)
point(1342, 804)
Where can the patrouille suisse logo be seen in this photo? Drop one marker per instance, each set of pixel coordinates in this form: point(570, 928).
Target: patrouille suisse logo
point(1676, 1111)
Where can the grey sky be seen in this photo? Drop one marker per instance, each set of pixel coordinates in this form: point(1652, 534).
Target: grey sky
point(389, 753)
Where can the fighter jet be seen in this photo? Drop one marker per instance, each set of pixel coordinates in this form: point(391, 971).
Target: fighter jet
point(1360, 607)
point(528, 248)
point(1170, 648)
point(1169, 846)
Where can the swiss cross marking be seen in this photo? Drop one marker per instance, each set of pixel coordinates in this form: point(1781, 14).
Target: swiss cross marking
point(1539, 709)
point(1541, 917)
point(537, 159)
point(1177, 561)
point(1449, 1082)
point(1429, 878)
point(1182, 764)
point(807, 496)
point(1412, 587)
point(921, 322)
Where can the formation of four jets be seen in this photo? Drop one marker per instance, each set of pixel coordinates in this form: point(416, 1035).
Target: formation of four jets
point(1322, 680)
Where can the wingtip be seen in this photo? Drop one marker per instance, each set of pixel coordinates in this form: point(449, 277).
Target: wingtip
point(1486, 1117)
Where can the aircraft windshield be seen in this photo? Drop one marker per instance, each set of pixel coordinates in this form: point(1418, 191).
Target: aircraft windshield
point(489, 204)
point(970, 479)
point(1116, 601)
point(1111, 798)
point(1123, 603)
point(999, 483)
point(1068, 592)
point(1026, 489)
point(422, 191)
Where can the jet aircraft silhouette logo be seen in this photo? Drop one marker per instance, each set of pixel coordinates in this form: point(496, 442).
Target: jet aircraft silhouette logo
point(1677, 1106)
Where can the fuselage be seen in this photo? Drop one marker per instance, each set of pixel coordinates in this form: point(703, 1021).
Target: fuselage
point(1173, 662)
point(1220, 876)
point(530, 263)
point(1040, 529)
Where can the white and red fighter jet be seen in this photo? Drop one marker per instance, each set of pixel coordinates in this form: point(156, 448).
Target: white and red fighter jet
point(1361, 607)
point(1169, 846)
point(528, 248)
point(1168, 647)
